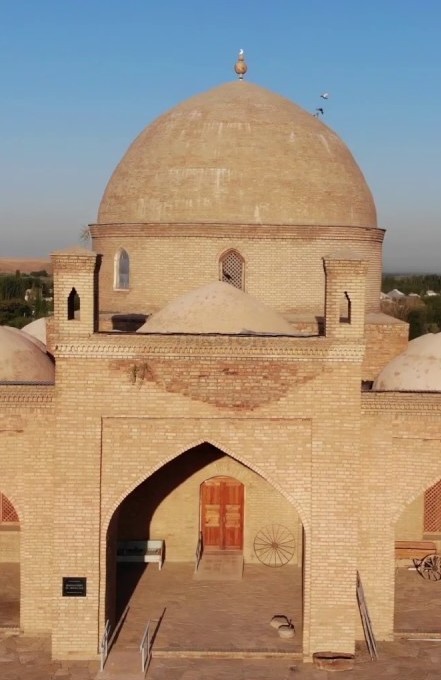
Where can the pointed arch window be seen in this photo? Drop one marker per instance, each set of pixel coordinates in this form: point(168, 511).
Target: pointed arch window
point(232, 269)
point(7, 510)
point(122, 270)
point(432, 508)
point(345, 308)
point(73, 305)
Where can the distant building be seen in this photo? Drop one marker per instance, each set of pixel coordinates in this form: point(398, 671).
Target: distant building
point(396, 294)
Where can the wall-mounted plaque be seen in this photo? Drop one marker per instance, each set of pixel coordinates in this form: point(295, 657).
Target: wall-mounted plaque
point(74, 586)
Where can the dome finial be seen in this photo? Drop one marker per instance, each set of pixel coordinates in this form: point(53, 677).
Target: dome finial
point(240, 66)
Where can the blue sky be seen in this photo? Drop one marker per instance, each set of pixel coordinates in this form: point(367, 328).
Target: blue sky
point(81, 78)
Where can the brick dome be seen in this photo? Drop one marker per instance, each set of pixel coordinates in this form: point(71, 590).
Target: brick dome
point(238, 154)
point(23, 358)
point(417, 369)
point(217, 308)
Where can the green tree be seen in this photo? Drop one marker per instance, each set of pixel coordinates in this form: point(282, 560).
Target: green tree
point(15, 313)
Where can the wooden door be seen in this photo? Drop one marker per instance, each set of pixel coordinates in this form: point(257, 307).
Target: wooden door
point(222, 514)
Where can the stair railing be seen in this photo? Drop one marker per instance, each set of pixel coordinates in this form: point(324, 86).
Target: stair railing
point(104, 645)
point(106, 641)
point(147, 641)
point(199, 551)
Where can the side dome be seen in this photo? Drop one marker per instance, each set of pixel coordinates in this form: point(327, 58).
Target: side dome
point(22, 360)
point(37, 329)
point(417, 369)
point(217, 308)
point(238, 154)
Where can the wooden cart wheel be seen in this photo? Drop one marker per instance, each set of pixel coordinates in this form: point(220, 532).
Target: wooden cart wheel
point(274, 545)
point(429, 567)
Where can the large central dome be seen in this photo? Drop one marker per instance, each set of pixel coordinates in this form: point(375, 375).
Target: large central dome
point(238, 154)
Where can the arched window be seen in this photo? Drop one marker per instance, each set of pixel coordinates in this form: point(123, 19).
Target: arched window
point(73, 305)
point(232, 269)
point(345, 308)
point(432, 509)
point(122, 270)
point(7, 510)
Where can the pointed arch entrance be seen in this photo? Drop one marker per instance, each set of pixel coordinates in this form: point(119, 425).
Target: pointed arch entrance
point(173, 504)
point(222, 513)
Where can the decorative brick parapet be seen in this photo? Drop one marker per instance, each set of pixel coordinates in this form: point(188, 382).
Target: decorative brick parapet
point(212, 346)
point(401, 402)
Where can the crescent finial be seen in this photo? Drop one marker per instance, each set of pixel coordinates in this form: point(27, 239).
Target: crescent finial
point(240, 66)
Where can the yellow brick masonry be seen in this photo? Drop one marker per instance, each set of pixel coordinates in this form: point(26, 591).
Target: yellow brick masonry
point(26, 454)
point(401, 446)
point(169, 423)
point(191, 409)
point(386, 337)
point(283, 265)
point(290, 410)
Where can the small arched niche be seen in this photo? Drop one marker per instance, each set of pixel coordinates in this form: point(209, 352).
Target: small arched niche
point(73, 305)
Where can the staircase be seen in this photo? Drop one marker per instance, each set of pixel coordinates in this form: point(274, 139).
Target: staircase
point(220, 565)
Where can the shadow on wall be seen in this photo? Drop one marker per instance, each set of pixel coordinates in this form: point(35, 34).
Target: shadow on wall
point(128, 323)
point(132, 520)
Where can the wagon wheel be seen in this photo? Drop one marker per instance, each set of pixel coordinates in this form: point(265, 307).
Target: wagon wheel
point(274, 545)
point(430, 567)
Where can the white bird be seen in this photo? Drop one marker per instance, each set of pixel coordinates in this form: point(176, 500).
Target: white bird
point(325, 95)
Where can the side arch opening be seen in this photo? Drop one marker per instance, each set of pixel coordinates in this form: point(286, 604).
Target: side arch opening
point(9, 564)
point(417, 598)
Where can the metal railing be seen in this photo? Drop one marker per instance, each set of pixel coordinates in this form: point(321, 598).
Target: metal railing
point(146, 646)
point(199, 551)
point(147, 641)
point(107, 642)
point(104, 645)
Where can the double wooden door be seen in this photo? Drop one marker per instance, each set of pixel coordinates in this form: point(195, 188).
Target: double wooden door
point(222, 514)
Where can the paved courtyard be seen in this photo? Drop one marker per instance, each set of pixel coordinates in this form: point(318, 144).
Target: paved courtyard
point(227, 618)
point(417, 603)
point(211, 615)
point(25, 658)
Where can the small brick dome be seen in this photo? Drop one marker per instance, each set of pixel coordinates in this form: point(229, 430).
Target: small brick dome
point(217, 308)
point(22, 359)
point(238, 154)
point(37, 329)
point(417, 369)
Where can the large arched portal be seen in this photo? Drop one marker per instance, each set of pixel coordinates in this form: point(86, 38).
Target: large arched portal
point(204, 492)
point(9, 564)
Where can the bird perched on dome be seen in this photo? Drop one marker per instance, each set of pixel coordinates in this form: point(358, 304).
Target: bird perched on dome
point(240, 66)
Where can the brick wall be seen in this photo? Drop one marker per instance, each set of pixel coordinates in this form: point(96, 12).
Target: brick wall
point(9, 544)
point(401, 444)
point(291, 422)
point(386, 337)
point(26, 452)
point(283, 265)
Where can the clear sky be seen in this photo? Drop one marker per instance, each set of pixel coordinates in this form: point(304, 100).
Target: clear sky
point(80, 78)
